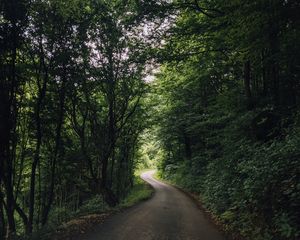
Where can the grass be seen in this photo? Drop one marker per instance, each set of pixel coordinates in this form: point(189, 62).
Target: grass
point(140, 191)
point(157, 175)
point(94, 211)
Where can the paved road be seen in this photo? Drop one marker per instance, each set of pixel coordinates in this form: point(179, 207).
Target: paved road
point(168, 215)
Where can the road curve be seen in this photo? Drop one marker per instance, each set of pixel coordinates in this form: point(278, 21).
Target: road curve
point(168, 215)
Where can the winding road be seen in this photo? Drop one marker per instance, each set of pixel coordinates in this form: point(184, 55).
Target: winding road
point(168, 215)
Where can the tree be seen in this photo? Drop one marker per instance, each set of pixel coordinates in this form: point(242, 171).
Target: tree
point(223, 117)
point(70, 96)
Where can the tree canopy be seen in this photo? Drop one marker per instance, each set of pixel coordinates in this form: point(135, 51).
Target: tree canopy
point(221, 118)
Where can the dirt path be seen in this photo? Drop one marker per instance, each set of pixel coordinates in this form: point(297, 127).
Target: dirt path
point(168, 215)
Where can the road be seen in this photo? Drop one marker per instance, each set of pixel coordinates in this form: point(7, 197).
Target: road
point(168, 215)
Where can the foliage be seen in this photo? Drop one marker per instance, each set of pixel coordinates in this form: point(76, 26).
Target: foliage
point(139, 192)
point(71, 107)
point(95, 205)
point(222, 114)
point(227, 113)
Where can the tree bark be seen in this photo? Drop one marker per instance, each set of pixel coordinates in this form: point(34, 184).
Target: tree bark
point(247, 84)
point(110, 197)
point(187, 146)
point(274, 52)
point(41, 96)
point(60, 120)
point(264, 75)
point(2, 220)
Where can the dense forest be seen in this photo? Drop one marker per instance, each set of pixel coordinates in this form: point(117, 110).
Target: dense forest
point(71, 88)
point(220, 117)
point(227, 104)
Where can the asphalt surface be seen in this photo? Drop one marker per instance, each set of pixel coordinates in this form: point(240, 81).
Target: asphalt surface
point(168, 215)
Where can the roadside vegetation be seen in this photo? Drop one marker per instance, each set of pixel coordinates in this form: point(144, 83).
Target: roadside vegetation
point(140, 191)
point(227, 114)
point(80, 111)
point(71, 108)
point(65, 224)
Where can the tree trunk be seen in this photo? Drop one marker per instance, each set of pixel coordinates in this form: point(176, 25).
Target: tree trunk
point(5, 136)
point(2, 220)
point(247, 84)
point(42, 92)
point(264, 75)
point(7, 103)
point(60, 120)
point(187, 146)
point(274, 51)
point(109, 196)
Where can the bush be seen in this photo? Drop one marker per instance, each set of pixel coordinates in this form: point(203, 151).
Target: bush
point(253, 187)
